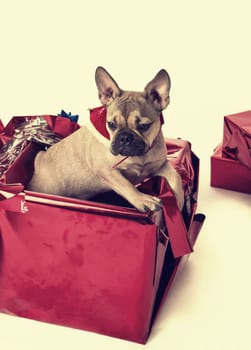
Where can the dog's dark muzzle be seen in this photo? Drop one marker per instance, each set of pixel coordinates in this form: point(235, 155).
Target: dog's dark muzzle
point(127, 143)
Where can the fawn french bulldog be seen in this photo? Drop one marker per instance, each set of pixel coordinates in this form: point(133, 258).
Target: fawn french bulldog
point(82, 165)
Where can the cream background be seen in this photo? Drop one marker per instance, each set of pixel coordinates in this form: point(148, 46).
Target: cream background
point(48, 54)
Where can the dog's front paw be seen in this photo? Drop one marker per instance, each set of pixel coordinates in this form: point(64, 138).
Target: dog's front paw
point(146, 202)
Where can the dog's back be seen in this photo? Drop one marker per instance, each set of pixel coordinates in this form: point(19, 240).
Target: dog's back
point(66, 168)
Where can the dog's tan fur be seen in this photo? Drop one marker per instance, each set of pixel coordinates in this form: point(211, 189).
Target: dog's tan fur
point(81, 165)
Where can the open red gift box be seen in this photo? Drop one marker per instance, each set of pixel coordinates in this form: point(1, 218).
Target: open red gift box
point(98, 265)
point(231, 161)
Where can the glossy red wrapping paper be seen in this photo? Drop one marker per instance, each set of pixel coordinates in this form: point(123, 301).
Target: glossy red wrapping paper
point(228, 173)
point(231, 161)
point(98, 266)
point(237, 137)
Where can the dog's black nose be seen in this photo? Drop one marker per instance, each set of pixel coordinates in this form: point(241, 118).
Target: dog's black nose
point(125, 138)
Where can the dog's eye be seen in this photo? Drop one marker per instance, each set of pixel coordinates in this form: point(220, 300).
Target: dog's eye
point(144, 127)
point(111, 125)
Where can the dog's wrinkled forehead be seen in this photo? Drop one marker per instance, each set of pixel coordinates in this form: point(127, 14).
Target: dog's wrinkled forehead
point(129, 104)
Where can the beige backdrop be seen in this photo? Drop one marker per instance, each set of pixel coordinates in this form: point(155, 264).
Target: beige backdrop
point(48, 54)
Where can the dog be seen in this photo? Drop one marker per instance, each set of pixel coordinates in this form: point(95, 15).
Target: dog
point(84, 164)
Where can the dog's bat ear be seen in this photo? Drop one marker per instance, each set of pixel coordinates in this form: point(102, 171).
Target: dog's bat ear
point(157, 90)
point(107, 87)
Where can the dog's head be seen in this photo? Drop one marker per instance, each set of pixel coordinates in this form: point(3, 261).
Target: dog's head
point(133, 118)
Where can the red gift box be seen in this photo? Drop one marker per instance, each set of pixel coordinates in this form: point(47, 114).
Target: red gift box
point(237, 137)
point(228, 173)
point(99, 265)
point(231, 161)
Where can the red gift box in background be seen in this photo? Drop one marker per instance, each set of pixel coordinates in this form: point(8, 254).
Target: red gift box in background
point(231, 161)
point(228, 173)
point(237, 137)
point(100, 265)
